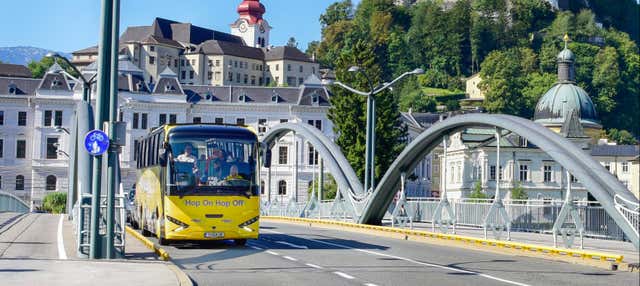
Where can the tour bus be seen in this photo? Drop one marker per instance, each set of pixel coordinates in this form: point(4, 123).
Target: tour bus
point(198, 182)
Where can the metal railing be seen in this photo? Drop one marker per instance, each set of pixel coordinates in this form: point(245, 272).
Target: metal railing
point(527, 215)
point(629, 210)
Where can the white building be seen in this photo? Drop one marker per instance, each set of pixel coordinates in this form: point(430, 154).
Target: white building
point(203, 56)
point(31, 110)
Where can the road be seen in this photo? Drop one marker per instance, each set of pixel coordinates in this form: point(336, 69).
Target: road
point(289, 254)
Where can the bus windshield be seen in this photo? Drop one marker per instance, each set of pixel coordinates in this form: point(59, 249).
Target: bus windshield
point(212, 166)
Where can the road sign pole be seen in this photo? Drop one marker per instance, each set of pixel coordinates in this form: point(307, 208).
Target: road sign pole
point(101, 100)
point(113, 113)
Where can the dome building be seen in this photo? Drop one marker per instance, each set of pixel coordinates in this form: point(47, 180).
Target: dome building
point(566, 108)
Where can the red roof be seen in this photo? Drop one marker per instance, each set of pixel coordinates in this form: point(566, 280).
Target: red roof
point(252, 10)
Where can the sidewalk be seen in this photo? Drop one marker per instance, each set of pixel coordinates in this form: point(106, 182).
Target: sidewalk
point(610, 246)
point(141, 266)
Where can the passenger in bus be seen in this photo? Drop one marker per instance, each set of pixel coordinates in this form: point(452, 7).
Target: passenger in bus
point(215, 170)
point(187, 156)
point(233, 173)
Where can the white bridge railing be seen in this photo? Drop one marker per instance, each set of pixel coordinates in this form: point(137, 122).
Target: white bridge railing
point(629, 210)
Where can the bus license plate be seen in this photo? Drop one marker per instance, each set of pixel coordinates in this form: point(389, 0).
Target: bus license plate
point(213, 234)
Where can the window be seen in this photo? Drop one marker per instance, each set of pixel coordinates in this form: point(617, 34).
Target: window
point(193, 62)
point(262, 126)
point(191, 74)
point(152, 60)
point(300, 81)
point(282, 188)
point(136, 119)
point(197, 120)
point(240, 121)
point(277, 67)
point(152, 48)
point(175, 63)
point(301, 69)
point(283, 154)
point(288, 67)
point(52, 148)
point(19, 183)
point(210, 75)
point(219, 120)
point(291, 81)
point(284, 120)
point(625, 167)
point(144, 121)
point(162, 119)
point(548, 173)
point(230, 76)
point(51, 183)
point(316, 123)
point(524, 172)
point(121, 116)
point(574, 179)
point(182, 62)
point(459, 177)
point(173, 118)
point(58, 118)
point(47, 118)
point(22, 118)
point(492, 173)
point(246, 78)
point(313, 70)
point(21, 149)
point(313, 156)
point(217, 63)
point(238, 77)
point(210, 63)
point(607, 165)
point(253, 80)
point(1, 117)
point(183, 75)
point(1, 148)
point(452, 175)
point(262, 189)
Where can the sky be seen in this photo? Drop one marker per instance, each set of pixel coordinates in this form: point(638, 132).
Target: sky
point(71, 25)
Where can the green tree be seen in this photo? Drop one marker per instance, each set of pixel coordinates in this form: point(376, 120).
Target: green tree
point(312, 48)
point(537, 84)
point(38, 69)
point(338, 11)
point(622, 137)
point(329, 189)
point(417, 101)
point(518, 192)
point(55, 202)
point(477, 192)
point(504, 78)
point(292, 42)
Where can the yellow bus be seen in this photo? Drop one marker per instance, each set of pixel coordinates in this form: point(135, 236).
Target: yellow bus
point(198, 182)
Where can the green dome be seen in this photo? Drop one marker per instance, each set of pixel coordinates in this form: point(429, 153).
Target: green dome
point(564, 97)
point(566, 55)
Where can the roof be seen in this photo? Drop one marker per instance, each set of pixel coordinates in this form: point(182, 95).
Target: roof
point(615, 150)
point(21, 86)
point(214, 47)
point(89, 50)
point(286, 53)
point(10, 70)
point(561, 100)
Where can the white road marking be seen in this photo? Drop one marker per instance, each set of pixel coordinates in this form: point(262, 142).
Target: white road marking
point(62, 254)
point(272, 252)
point(412, 261)
point(370, 284)
point(290, 258)
point(255, 247)
point(292, 245)
point(343, 275)
point(314, 266)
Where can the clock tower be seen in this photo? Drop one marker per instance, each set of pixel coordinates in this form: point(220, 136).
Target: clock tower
point(250, 26)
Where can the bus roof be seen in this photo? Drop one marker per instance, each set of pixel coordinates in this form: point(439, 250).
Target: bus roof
point(225, 131)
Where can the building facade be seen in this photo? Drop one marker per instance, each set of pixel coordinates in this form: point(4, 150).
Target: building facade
point(200, 56)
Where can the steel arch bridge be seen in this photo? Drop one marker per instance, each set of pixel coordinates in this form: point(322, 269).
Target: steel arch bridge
point(370, 208)
point(11, 203)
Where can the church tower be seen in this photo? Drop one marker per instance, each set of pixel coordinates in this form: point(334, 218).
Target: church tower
point(250, 26)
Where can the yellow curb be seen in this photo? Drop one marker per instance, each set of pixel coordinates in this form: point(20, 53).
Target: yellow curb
point(183, 278)
point(591, 258)
point(164, 255)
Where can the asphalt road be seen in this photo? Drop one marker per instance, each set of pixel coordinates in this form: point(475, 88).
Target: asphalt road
point(296, 255)
point(34, 236)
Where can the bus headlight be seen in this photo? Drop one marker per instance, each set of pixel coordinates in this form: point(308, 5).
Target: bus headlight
point(177, 222)
point(245, 224)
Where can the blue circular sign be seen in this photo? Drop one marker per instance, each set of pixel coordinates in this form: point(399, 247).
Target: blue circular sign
point(96, 142)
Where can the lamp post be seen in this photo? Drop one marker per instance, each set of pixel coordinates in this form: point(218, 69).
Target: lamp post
point(369, 176)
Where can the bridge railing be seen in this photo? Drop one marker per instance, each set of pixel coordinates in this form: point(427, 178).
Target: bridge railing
point(526, 215)
point(629, 210)
point(12, 203)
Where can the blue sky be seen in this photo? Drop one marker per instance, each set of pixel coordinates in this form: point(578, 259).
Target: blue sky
point(71, 25)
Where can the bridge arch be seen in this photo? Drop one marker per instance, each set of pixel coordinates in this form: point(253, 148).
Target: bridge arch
point(11, 203)
point(346, 178)
point(600, 183)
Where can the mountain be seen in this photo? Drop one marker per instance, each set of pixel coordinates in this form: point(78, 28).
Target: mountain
point(24, 55)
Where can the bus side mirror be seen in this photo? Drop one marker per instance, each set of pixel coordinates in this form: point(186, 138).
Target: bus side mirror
point(163, 154)
point(266, 156)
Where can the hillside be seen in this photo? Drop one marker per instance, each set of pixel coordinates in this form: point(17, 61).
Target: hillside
point(24, 55)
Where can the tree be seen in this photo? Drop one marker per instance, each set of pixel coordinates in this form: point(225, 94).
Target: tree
point(622, 137)
point(329, 190)
point(537, 84)
point(55, 202)
point(417, 101)
point(504, 78)
point(312, 48)
point(292, 42)
point(338, 11)
point(518, 193)
point(477, 192)
point(38, 69)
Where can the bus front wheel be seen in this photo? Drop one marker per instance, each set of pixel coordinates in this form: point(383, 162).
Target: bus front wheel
point(240, 242)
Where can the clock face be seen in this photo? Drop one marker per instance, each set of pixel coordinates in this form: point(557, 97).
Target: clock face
point(243, 27)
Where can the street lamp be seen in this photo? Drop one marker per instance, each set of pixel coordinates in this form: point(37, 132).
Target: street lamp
point(369, 176)
point(86, 84)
